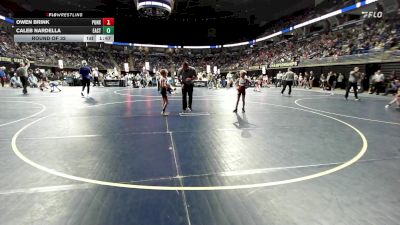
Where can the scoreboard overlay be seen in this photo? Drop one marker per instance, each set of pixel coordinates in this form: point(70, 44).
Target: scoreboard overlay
point(64, 29)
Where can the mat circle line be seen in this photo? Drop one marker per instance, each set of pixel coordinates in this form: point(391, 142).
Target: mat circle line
point(338, 114)
point(24, 118)
point(357, 157)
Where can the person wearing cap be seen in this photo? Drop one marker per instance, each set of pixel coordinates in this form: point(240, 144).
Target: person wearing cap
point(85, 72)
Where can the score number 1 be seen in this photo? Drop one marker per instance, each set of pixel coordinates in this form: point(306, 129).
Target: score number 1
point(108, 21)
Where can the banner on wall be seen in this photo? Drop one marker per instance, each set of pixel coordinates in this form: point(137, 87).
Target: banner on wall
point(287, 64)
point(254, 67)
point(12, 60)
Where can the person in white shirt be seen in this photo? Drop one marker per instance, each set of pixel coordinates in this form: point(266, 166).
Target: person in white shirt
point(33, 81)
point(377, 82)
point(15, 82)
point(95, 74)
point(278, 79)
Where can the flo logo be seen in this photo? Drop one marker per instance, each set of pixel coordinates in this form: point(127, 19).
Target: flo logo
point(375, 15)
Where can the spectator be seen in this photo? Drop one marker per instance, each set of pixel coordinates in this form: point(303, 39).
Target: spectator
point(393, 87)
point(33, 81)
point(16, 82)
point(340, 81)
point(377, 82)
point(2, 76)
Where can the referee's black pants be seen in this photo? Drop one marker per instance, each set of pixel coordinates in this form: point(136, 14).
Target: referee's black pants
point(2, 80)
point(287, 83)
point(24, 81)
point(349, 86)
point(187, 89)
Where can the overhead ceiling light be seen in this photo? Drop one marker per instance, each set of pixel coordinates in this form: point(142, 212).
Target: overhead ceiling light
point(155, 8)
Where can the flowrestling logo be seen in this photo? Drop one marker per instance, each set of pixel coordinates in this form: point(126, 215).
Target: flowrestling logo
point(372, 14)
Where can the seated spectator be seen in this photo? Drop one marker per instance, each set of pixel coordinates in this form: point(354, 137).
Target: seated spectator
point(376, 82)
point(33, 81)
point(16, 82)
point(393, 87)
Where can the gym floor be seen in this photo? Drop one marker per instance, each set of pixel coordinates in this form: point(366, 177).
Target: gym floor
point(111, 158)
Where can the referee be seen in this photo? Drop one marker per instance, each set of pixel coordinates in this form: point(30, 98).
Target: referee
point(287, 80)
point(187, 75)
point(354, 77)
point(22, 72)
